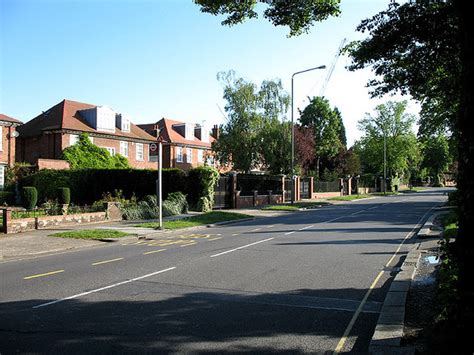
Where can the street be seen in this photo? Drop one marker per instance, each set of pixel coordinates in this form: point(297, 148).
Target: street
point(305, 282)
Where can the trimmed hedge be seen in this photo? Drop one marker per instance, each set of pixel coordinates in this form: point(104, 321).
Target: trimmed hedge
point(89, 185)
point(7, 197)
point(64, 195)
point(29, 197)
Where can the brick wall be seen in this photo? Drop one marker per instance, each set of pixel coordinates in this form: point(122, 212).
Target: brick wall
point(7, 148)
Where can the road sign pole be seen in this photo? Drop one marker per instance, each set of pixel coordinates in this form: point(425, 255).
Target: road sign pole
point(160, 208)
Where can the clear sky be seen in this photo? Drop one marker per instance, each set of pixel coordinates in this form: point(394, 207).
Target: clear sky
point(159, 58)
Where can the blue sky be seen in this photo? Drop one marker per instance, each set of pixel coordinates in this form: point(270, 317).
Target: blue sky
point(159, 58)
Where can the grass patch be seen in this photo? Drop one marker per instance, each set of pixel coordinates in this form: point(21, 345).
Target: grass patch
point(295, 206)
point(92, 234)
point(200, 220)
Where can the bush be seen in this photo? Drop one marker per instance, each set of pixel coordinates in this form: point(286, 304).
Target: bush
point(7, 198)
point(29, 197)
point(202, 181)
point(180, 200)
point(64, 195)
point(205, 205)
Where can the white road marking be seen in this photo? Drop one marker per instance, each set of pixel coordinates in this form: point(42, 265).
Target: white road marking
point(104, 288)
point(242, 247)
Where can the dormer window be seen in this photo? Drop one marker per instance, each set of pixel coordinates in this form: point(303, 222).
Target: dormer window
point(123, 122)
point(189, 132)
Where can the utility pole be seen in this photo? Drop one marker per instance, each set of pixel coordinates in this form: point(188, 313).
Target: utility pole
point(159, 187)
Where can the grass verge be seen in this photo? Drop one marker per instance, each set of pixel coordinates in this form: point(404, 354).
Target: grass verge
point(348, 198)
point(200, 220)
point(91, 234)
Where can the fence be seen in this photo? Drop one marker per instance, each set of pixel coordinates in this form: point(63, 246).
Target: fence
point(326, 186)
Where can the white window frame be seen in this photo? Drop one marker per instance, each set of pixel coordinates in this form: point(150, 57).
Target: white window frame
point(189, 155)
point(73, 139)
point(124, 148)
point(179, 154)
point(111, 150)
point(200, 155)
point(139, 152)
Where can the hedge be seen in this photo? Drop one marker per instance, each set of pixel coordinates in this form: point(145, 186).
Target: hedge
point(88, 185)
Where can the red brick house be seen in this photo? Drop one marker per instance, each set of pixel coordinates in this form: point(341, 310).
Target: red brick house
point(48, 134)
point(186, 145)
point(8, 135)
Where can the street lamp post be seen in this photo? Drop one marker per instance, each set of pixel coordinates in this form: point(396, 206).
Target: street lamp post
point(293, 130)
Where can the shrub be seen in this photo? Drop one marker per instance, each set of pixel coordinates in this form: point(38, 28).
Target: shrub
point(64, 195)
point(202, 181)
point(180, 200)
point(205, 205)
point(7, 198)
point(29, 197)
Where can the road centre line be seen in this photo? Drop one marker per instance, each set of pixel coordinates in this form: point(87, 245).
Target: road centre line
point(106, 261)
point(242, 247)
point(103, 288)
point(42, 275)
point(349, 327)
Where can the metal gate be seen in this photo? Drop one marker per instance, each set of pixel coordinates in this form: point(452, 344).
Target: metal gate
point(222, 198)
point(304, 188)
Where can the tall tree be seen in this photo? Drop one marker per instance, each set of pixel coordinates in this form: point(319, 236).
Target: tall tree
point(327, 127)
point(299, 16)
point(436, 156)
point(254, 136)
point(390, 126)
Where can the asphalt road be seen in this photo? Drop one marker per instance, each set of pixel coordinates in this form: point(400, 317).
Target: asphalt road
point(305, 282)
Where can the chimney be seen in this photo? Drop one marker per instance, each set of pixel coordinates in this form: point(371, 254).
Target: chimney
point(215, 131)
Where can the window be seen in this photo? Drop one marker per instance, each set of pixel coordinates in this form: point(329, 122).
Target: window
point(139, 152)
point(189, 155)
point(189, 131)
point(124, 148)
point(73, 139)
point(111, 150)
point(1, 139)
point(200, 155)
point(179, 154)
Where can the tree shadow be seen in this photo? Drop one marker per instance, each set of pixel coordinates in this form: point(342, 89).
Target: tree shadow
point(146, 318)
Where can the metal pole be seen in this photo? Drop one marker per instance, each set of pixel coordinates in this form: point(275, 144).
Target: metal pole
point(292, 142)
point(293, 194)
point(160, 191)
point(384, 163)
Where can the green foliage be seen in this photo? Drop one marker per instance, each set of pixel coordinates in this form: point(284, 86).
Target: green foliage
point(179, 200)
point(328, 129)
point(15, 173)
point(64, 195)
point(89, 185)
point(86, 155)
point(7, 198)
point(253, 135)
point(414, 49)
point(29, 197)
point(395, 126)
point(202, 181)
point(299, 16)
point(436, 156)
point(148, 208)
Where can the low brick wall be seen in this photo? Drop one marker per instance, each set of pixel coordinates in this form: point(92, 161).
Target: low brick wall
point(326, 194)
point(366, 190)
point(20, 225)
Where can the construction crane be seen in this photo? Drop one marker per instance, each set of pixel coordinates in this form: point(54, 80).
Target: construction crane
point(333, 65)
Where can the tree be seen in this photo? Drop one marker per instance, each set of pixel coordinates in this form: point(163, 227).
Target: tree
point(304, 147)
point(299, 16)
point(85, 155)
point(254, 136)
point(436, 157)
point(328, 129)
point(393, 127)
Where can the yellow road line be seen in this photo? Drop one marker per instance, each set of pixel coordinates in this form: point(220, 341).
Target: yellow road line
point(214, 238)
point(343, 340)
point(106, 261)
point(41, 275)
point(153, 251)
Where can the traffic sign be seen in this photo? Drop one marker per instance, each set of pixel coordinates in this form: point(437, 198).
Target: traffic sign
point(153, 147)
